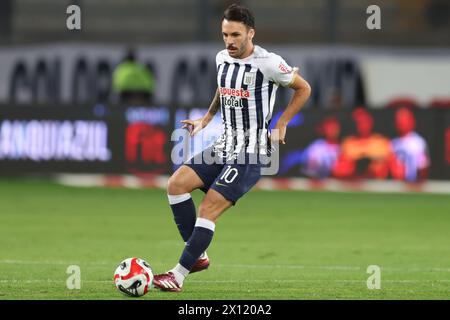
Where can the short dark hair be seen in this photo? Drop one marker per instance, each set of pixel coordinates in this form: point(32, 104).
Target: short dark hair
point(239, 13)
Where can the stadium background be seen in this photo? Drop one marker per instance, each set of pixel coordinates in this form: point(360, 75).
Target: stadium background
point(61, 118)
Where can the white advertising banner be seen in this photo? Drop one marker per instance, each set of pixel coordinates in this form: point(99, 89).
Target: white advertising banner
point(421, 80)
point(341, 77)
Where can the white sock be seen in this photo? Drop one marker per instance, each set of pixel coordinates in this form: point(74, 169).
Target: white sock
point(180, 273)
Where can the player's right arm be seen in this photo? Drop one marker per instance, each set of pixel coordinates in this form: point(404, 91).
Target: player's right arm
point(195, 126)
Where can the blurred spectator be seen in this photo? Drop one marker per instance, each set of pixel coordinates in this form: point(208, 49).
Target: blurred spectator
point(366, 154)
point(318, 159)
point(133, 82)
point(410, 149)
point(402, 102)
point(440, 103)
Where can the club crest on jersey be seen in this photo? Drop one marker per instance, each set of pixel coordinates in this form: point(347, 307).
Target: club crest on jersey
point(249, 78)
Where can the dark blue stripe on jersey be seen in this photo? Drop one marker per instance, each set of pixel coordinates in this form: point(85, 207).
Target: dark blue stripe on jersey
point(259, 105)
point(270, 96)
point(233, 110)
point(222, 104)
point(245, 112)
point(224, 74)
point(258, 99)
point(234, 76)
point(269, 143)
point(267, 123)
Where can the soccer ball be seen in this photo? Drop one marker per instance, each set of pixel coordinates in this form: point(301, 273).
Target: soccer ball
point(133, 277)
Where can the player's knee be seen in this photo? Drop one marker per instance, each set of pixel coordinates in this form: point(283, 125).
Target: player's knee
point(175, 186)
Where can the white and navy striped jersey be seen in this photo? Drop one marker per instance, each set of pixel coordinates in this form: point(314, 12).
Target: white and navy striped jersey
point(247, 90)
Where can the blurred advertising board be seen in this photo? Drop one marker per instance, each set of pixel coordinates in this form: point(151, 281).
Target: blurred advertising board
point(84, 139)
point(399, 143)
point(384, 144)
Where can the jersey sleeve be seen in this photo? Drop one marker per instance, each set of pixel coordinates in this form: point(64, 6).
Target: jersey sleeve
point(277, 70)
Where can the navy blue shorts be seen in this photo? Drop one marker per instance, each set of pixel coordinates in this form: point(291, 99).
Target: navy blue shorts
point(228, 177)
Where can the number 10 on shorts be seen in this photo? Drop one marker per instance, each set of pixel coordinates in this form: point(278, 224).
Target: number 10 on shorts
point(229, 175)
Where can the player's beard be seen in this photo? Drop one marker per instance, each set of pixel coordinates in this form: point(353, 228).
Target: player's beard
point(240, 51)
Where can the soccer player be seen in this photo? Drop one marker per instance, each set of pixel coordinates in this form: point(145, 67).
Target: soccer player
point(410, 148)
point(366, 154)
point(318, 158)
point(247, 78)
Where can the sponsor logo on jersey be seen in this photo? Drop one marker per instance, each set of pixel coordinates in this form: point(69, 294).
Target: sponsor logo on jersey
point(283, 68)
point(240, 93)
point(232, 102)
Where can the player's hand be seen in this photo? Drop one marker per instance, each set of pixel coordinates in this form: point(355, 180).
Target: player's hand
point(278, 134)
point(193, 126)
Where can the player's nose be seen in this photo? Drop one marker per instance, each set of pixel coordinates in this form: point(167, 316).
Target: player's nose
point(229, 43)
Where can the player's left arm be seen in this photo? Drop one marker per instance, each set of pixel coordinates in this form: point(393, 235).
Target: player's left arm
point(195, 126)
point(302, 91)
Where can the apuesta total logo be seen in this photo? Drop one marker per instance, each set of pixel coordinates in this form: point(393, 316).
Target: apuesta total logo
point(232, 97)
point(229, 92)
point(232, 102)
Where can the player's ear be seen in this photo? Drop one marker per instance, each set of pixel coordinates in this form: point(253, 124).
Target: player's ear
point(251, 33)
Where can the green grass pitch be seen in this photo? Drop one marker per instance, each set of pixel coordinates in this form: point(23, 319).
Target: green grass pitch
point(272, 245)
